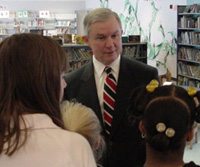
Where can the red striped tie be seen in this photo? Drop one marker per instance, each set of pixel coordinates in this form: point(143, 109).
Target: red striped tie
point(109, 94)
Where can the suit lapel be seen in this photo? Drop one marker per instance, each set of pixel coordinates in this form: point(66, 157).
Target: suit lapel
point(89, 84)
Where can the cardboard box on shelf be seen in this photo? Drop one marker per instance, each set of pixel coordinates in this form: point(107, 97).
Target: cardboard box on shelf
point(68, 38)
point(78, 39)
point(134, 38)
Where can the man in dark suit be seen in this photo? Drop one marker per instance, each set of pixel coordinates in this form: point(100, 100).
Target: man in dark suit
point(103, 31)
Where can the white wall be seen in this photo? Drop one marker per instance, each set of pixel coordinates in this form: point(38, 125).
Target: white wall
point(91, 4)
point(56, 6)
point(190, 2)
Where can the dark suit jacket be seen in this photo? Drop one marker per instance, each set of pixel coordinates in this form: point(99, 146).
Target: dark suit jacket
point(124, 146)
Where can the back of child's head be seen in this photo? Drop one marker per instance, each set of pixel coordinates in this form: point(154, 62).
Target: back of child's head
point(167, 114)
point(82, 119)
point(31, 67)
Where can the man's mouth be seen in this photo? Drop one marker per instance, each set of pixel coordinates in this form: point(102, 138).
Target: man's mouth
point(110, 52)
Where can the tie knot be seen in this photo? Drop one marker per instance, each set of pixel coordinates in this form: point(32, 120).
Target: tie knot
point(107, 69)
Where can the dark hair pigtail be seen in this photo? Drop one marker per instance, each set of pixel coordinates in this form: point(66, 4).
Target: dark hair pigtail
point(197, 101)
point(159, 142)
point(138, 103)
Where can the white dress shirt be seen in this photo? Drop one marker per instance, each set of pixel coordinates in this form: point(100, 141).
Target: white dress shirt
point(48, 145)
point(100, 76)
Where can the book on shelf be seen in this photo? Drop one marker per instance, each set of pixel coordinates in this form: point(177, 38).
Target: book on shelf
point(190, 37)
point(188, 69)
point(76, 55)
point(198, 22)
point(76, 64)
point(188, 82)
point(132, 52)
point(88, 54)
point(188, 22)
point(193, 8)
point(187, 9)
point(81, 54)
point(187, 53)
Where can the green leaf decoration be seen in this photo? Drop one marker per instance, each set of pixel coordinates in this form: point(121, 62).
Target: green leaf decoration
point(131, 25)
point(160, 28)
point(126, 4)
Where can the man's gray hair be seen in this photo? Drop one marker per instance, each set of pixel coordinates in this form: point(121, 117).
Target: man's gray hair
point(99, 14)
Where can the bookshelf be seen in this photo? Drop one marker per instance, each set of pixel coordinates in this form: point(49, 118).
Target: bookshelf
point(7, 24)
point(55, 24)
point(43, 22)
point(188, 45)
point(78, 54)
point(136, 51)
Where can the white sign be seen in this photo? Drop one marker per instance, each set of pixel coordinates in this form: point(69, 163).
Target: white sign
point(4, 14)
point(44, 13)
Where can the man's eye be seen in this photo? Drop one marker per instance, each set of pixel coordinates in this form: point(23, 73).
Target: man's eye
point(100, 38)
point(114, 36)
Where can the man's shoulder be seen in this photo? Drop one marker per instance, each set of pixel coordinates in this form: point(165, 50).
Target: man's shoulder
point(136, 65)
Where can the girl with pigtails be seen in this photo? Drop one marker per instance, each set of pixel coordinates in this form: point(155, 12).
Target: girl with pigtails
point(167, 115)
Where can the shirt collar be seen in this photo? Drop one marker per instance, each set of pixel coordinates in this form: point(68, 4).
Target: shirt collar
point(99, 67)
point(37, 121)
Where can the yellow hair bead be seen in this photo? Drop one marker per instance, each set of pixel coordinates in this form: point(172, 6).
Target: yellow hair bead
point(191, 91)
point(152, 85)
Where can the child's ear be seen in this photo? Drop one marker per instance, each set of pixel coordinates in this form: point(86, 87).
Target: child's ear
point(190, 134)
point(141, 128)
point(96, 146)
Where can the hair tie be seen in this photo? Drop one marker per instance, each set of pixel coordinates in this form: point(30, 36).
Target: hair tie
point(161, 127)
point(152, 85)
point(191, 91)
point(196, 101)
point(170, 132)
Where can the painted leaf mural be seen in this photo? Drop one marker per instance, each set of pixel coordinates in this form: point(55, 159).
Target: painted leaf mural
point(131, 23)
point(103, 3)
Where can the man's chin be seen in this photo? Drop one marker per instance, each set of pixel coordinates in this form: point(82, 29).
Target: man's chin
point(111, 59)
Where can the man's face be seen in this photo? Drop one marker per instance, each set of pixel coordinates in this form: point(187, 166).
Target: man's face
point(105, 40)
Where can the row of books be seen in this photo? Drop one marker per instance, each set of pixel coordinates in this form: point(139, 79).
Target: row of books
point(79, 54)
point(189, 37)
point(190, 54)
point(189, 69)
point(41, 23)
point(3, 31)
point(77, 64)
point(195, 8)
point(8, 31)
point(188, 82)
point(189, 22)
point(132, 52)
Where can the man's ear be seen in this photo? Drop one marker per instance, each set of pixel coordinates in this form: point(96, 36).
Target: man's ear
point(190, 135)
point(85, 39)
point(121, 32)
